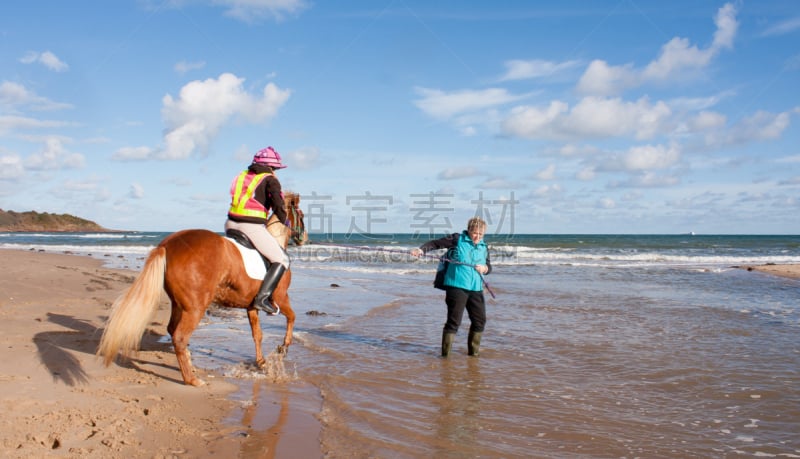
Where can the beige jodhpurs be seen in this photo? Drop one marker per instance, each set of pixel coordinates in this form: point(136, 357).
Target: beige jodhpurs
point(264, 242)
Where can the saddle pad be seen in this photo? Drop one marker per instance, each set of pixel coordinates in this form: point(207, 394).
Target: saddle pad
point(253, 263)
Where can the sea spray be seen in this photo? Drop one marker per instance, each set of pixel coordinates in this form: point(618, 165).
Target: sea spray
point(273, 369)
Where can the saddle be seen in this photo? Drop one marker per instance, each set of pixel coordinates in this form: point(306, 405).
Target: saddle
point(245, 242)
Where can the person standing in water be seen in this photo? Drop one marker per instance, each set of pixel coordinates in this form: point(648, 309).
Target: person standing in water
point(463, 282)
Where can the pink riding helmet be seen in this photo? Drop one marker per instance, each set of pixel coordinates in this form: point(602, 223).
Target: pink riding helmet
point(268, 156)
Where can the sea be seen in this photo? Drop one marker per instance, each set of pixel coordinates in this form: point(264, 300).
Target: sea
point(596, 346)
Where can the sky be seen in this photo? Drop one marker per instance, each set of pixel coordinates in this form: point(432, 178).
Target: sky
point(562, 117)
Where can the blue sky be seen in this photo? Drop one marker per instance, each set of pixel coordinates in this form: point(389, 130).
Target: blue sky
point(408, 116)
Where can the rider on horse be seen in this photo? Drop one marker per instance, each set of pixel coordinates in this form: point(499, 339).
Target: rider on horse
point(253, 193)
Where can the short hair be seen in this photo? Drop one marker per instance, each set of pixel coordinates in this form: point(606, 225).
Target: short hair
point(476, 223)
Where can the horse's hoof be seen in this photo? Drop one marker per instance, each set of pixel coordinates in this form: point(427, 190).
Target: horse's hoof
point(197, 382)
point(261, 363)
point(282, 350)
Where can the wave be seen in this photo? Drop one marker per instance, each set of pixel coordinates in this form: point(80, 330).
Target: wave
point(71, 248)
point(393, 255)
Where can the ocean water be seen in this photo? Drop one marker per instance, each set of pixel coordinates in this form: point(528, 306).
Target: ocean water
point(595, 346)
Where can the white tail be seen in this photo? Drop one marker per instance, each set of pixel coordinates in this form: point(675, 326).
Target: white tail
point(131, 312)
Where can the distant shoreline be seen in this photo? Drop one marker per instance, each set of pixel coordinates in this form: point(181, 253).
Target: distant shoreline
point(103, 230)
point(32, 221)
point(791, 271)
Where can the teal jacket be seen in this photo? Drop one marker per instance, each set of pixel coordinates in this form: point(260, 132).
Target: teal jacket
point(464, 251)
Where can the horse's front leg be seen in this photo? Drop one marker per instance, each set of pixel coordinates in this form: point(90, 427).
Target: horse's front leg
point(255, 327)
point(286, 310)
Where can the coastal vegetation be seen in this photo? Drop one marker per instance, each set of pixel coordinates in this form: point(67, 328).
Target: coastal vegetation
point(44, 221)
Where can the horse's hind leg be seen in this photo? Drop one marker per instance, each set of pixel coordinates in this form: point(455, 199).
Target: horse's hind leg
point(255, 327)
point(181, 326)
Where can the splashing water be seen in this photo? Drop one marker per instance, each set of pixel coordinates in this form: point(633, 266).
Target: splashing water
point(274, 369)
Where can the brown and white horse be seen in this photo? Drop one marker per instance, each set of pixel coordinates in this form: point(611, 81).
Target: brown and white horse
point(196, 268)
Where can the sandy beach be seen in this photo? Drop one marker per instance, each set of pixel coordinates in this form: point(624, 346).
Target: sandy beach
point(790, 271)
point(58, 400)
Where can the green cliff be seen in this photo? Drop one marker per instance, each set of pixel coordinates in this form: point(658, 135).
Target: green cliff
point(35, 221)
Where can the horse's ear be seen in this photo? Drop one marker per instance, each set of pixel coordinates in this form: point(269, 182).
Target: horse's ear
point(292, 199)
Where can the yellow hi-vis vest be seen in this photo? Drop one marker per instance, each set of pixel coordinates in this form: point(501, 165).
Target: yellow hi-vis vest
point(243, 202)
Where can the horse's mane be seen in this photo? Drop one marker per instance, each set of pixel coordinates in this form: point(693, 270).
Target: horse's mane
point(296, 219)
point(296, 228)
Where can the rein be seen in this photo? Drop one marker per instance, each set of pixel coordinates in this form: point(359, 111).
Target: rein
point(433, 257)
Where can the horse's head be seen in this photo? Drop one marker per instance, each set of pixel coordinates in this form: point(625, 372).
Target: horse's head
point(296, 220)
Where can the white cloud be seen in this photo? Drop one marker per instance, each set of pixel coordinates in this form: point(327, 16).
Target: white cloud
point(14, 96)
point(14, 123)
point(761, 125)
point(458, 173)
point(443, 105)
point(254, 10)
point(705, 120)
point(304, 158)
point(606, 203)
point(548, 190)
point(586, 174)
point(11, 167)
point(518, 69)
point(678, 59)
point(726, 27)
point(598, 117)
point(133, 154)
point(136, 191)
point(468, 131)
point(651, 180)
point(203, 107)
point(47, 58)
point(500, 183)
point(548, 173)
point(54, 156)
point(183, 66)
point(73, 185)
point(533, 122)
point(676, 56)
point(592, 117)
point(603, 79)
point(696, 103)
point(650, 157)
point(571, 149)
point(787, 26)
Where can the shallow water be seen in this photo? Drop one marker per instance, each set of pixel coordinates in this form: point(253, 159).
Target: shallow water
point(574, 363)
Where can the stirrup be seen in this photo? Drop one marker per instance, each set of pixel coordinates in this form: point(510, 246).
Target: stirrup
point(270, 308)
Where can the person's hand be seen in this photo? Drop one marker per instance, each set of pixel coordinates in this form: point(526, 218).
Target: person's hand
point(416, 253)
point(483, 269)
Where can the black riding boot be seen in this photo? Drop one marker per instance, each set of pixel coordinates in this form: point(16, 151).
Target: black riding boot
point(263, 300)
point(447, 342)
point(474, 343)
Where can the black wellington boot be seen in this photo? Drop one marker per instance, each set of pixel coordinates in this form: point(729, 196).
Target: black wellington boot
point(474, 343)
point(447, 342)
point(263, 300)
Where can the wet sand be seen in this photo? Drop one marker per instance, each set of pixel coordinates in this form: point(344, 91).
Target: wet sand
point(59, 400)
point(791, 271)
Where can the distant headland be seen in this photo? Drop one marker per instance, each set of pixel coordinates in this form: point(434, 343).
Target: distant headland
point(44, 221)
